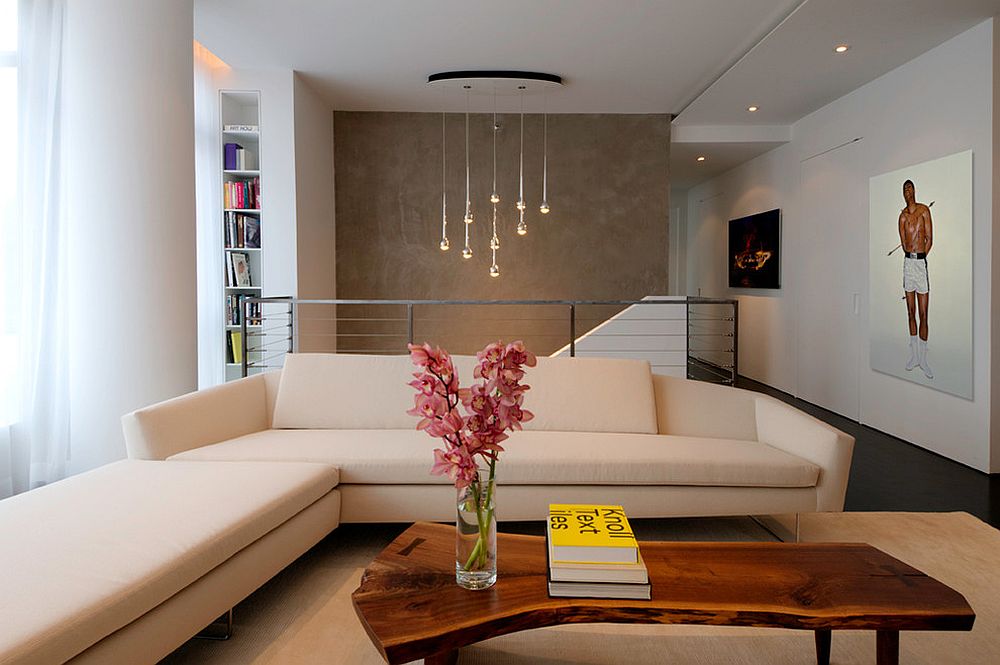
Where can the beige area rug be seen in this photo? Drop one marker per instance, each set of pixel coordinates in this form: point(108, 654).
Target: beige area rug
point(304, 615)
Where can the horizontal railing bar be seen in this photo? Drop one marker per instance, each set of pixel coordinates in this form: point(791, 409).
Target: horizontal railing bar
point(269, 358)
point(665, 301)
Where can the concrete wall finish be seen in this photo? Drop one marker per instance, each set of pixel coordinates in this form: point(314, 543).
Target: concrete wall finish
point(606, 236)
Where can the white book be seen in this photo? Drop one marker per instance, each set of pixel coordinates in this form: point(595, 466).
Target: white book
point(623, 573)
point(599, 590)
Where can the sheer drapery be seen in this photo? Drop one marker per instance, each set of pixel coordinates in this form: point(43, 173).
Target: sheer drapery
point(208, 193)
point(39, 436)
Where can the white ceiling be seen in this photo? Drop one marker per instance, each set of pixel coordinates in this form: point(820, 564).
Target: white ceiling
point(686, 171)
point(794, 71)
point(618, 56)
point(705, 60)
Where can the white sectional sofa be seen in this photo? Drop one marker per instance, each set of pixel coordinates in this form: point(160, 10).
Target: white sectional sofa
point(604, 431)
point(226, 486)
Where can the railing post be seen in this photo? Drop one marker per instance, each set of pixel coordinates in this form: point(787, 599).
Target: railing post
point(736, 339)
point(291, 326)
point(244, 361)
point(687, 337)
point(572, 331)
point(409, 323)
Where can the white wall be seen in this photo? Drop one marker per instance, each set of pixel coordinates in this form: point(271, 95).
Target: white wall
point(129, 136)
point(314, 193)
point(810, 338)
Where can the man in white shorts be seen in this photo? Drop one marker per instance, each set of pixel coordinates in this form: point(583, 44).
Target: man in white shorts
point(916, 234)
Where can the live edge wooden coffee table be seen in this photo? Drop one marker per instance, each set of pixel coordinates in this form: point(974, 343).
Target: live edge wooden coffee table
point(411, 607)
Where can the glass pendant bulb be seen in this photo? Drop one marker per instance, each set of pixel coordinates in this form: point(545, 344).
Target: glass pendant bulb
point(494, 243)
point(520, 205)
point(544, 208)
point(444, 245)
point(522, 228)
point(494, 198)
point(467, 252)
point(468, 218)
point(494, 270)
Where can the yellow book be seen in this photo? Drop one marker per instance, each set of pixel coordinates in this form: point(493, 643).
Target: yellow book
point(590, 534)
point(236, 344)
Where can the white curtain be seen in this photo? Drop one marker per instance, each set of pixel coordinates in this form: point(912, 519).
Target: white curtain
point(208, 194)
point(39, 438)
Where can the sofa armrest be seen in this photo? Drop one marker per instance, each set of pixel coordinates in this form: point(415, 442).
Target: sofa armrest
point(798, 433)
point(198, 419)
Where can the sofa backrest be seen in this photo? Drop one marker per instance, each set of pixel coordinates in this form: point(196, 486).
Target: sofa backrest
point(695, 408)
point(348, 391)
point(591, 395)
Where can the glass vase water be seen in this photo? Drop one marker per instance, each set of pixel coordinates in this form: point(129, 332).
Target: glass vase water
point(476, 534)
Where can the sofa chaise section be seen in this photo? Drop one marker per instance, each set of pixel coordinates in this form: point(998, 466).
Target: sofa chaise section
point(126, 562)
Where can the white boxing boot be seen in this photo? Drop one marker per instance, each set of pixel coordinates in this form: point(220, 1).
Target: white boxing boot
point(914, 354)
point(923, 360)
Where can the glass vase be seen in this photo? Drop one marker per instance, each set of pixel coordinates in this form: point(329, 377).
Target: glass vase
point(476, 535)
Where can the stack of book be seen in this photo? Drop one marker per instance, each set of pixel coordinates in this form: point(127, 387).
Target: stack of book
point(242, 194)
point(594, 554)
point(237, 158)
point(242, 231)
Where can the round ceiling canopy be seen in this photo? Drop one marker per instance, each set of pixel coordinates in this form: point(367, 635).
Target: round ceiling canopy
point(500, 82)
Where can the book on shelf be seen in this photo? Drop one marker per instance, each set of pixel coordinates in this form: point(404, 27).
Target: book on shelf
point(242, 194)
point(590, 534)
point(239, 128)
point(251, 232)
point(229, 156)
point(239, 269)
point(236, 308)
point(241, 231)
point(235, 346)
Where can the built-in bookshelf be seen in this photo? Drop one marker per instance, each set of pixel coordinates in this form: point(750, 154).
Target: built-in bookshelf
point(241, 217)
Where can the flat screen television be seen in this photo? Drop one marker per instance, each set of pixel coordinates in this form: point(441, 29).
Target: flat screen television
point(755, 251)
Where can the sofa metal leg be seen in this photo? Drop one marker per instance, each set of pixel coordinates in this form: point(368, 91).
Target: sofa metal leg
point(220, 629)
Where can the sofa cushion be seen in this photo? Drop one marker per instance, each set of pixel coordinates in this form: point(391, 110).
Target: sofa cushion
point(96, 551)
point(591, 395)
point(350, 391)
point(532, 457)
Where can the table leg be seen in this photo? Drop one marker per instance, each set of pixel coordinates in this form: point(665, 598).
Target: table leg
point(887, 647)
point(823, 638)
point(443, 658)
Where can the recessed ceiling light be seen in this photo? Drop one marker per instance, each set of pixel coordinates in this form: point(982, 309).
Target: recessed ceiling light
point(701, 158)
point(841, 48)
point(752, 108)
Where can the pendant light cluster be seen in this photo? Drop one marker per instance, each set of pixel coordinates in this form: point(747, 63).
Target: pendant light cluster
point(520, 83)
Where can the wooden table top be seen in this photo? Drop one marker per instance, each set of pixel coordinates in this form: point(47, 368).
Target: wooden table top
point(410, 605)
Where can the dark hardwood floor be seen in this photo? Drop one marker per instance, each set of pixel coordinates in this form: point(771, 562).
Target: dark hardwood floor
point(891, 474)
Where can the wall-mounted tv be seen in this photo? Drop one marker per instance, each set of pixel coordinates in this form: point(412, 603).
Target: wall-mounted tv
point(754, 251)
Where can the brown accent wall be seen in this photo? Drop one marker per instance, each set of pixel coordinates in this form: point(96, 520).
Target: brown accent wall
point(606, 237)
